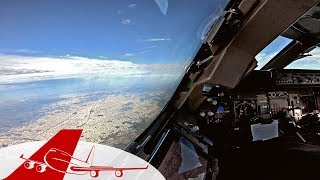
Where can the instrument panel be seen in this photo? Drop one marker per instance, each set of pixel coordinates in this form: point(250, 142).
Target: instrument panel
point(298, 77)
point(225, 116)
point(246, 108)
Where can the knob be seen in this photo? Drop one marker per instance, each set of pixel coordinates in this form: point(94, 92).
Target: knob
point(214, 102)
point(210, 113)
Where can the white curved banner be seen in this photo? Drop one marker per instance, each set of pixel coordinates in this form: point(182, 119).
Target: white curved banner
point(42, 160)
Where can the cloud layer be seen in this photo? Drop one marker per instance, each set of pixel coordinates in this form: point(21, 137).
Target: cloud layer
point(132, 5)
point(309, 62)
point(15, 69)
point(125, 21)
point(157, 39)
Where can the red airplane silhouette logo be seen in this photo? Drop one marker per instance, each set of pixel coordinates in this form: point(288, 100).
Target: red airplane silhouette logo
point(52, 160)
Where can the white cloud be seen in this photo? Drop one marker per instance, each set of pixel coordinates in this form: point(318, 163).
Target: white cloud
point(309, 62)
point(140, 51)
point(103, 57)
point(125, 21)
point(119, 12)
point(151, 47)
point(157, 39)
point(132, 5)
point(144, 52)
point(15, 68)
point(27, 51)
point(163, 5)
point(128, 54)
point(136, 53)
point(264, 58)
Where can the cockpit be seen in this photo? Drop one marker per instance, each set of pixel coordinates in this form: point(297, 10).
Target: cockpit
point(211, 89)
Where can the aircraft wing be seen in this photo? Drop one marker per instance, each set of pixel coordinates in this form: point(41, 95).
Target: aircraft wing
point(106, 168)
point(66, 140)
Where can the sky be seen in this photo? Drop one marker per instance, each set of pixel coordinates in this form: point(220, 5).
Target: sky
point(271, 50)
point(47, 45)
point(137, 31)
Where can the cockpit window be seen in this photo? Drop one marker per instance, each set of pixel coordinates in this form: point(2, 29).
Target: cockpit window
point(107, 67)
point(271, 50)
point(310, 60)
